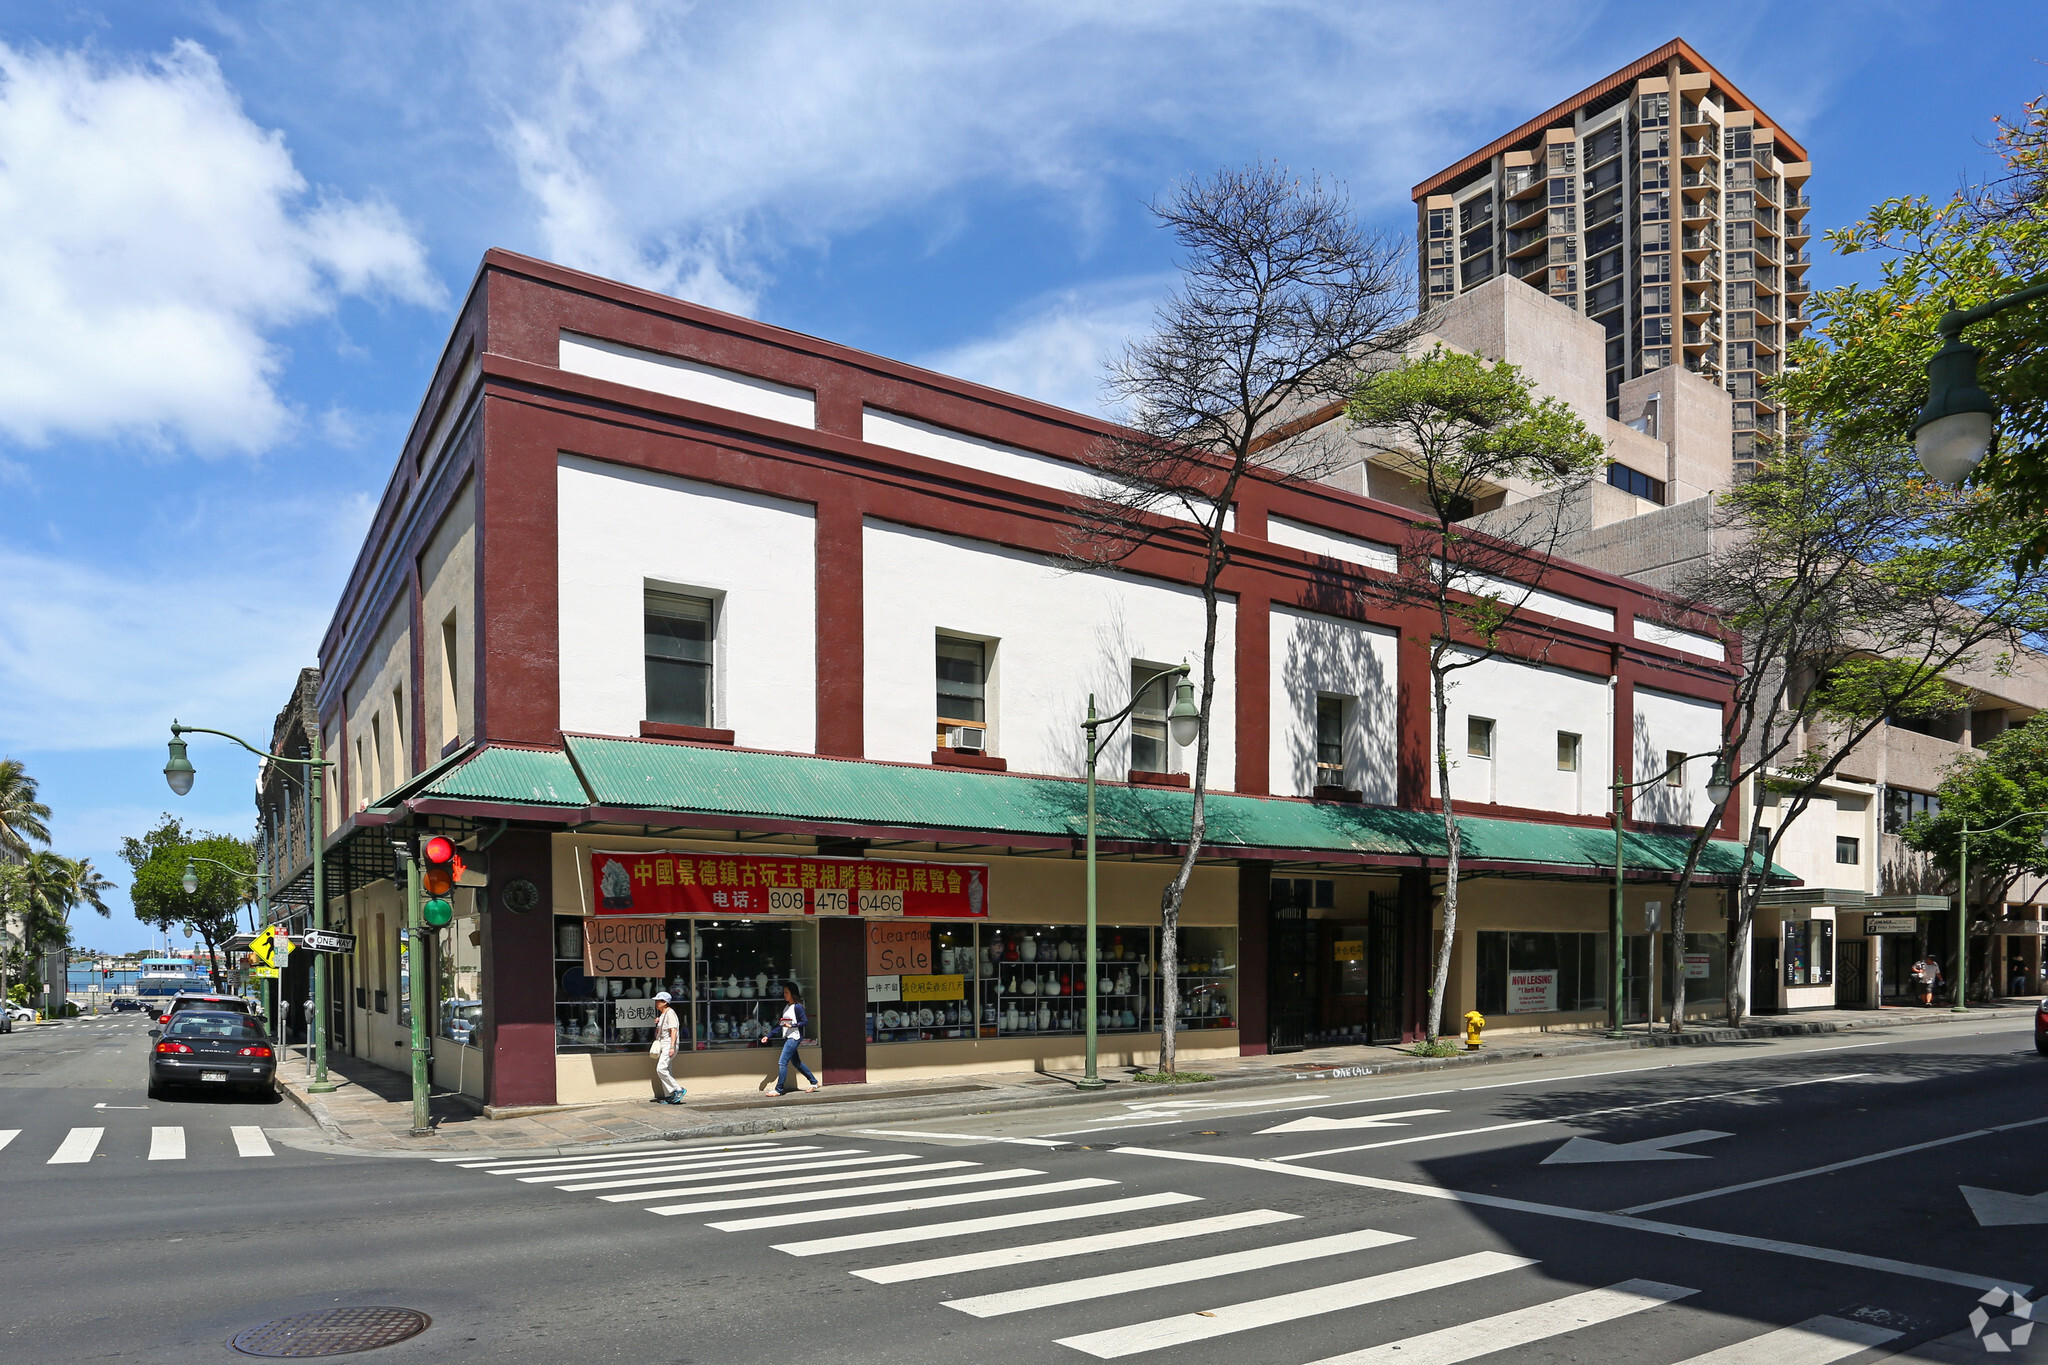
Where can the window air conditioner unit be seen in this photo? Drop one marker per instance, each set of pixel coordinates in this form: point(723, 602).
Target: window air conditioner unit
point(964, 737)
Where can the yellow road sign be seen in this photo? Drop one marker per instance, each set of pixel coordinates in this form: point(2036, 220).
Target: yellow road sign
point(271, 948)
point(263, 973)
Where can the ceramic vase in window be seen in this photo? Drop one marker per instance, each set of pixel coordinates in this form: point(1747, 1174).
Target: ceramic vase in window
point(1044, 1017)
point(1116, 949)
point(1066, 950)
point(1030, 949)
point(761, 985)
point(1030, 985)
point(1010, 1018)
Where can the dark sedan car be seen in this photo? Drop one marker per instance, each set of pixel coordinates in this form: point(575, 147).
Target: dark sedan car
point(205, 1002)
point(212, 1049)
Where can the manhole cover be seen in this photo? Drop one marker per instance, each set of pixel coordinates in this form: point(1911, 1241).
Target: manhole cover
point(330, 1332)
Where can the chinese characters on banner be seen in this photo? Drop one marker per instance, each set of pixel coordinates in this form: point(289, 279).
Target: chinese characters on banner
point(725, 884)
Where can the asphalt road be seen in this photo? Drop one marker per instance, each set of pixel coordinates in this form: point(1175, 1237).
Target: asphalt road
point(1786, 1202)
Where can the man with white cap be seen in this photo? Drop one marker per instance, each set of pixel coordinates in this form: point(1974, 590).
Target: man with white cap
point(667, 1036)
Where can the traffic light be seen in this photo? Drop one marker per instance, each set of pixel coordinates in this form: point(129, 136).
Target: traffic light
point(440, 869)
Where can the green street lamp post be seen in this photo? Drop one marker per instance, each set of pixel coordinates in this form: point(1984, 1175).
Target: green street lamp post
point(1953, 432)
point(1962, 1005)
point(1718, 787)
point(1183, 723)
point(179, 772)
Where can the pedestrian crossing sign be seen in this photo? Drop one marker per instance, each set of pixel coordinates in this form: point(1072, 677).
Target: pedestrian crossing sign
point(263, 973)
point(270, 949)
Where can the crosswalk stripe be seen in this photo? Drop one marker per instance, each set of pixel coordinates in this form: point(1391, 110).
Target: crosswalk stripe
point(249, 1141)
point(1522, 1327)
point(1302, 1303)
point(1173, 1272)
point(8, 1135)
point(666, 1169)
point(1817, 1341)
point(495, 1164)
point(858, 1191)
point(1073, 1246)
point(656, 1175)
point(78, 1145)
point(648, 1159)
point(942, 1201)
point(970, 1227)
point(691, 1191)
point(167, 1144)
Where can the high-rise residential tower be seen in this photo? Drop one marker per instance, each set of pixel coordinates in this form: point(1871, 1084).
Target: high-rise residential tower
point(1660, 202)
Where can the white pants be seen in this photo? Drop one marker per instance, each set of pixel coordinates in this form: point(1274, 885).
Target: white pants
point(662, 1075)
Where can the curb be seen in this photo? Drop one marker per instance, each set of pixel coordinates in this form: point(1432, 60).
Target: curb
point(799, 1119)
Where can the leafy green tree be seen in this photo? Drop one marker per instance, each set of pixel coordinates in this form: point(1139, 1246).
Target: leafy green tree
point(2008, 777)
point(1465, 429)
point(23, 819)
point(158, 894)
point(1860, 373)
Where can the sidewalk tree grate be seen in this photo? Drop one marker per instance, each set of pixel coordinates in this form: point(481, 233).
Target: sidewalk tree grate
point(330, 1332)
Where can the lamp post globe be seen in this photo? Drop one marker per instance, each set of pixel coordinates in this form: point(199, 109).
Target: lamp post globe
point(190, 881)
point(1718, 785)
point(1184, 722)
point(1950, 447)
point(179, 771)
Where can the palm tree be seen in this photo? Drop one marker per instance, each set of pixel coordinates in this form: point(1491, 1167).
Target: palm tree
point(22, 817)
point(85, 886)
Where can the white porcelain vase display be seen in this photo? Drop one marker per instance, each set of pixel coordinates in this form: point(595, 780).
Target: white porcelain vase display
point(1044, 1017)
point(1030, 985)
point(761, 984)
point(1066, 952)
point(1029, 951)
point(1010, 1018)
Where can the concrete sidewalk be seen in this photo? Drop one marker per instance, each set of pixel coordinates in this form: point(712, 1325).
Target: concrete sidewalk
point(371, 1110)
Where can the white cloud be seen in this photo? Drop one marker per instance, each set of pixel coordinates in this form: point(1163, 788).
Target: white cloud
point(1056, 349)
point(154, 237)
point(684, 147)
point(96, 658)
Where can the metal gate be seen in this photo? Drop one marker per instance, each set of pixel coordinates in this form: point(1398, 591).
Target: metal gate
point(1766, 976)
point(1852, 973)
point(1383, 963)
point(1291, 959)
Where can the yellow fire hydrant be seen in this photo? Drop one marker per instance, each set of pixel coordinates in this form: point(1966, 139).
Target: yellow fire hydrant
point(1474, 1022)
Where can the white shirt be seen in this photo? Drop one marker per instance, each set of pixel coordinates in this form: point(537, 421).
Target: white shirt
point(668, 1031)
point(789, 1028)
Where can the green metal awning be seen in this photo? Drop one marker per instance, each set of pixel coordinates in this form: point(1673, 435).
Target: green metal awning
point(611, 780)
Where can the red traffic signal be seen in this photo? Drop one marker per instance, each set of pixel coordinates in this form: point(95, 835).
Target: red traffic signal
point(440, 866)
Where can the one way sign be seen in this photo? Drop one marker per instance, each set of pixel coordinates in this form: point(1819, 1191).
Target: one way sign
point(327, 941)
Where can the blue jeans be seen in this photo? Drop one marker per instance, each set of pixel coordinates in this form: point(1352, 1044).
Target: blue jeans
point(789, 1047)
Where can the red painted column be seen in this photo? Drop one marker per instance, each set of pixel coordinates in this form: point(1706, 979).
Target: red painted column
point(518, 644)
point(1254, 918)
point(519, 976)
point(842, 1001)
point(841, 613)
point(1412, 713)
point(1254, 688)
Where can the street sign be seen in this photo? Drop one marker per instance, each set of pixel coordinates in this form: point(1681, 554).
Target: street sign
point(272, 948)
point(1891, 924)
point(263, 973)
point(327, 941)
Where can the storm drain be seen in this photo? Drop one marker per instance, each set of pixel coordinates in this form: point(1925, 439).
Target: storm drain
point(330, 1332)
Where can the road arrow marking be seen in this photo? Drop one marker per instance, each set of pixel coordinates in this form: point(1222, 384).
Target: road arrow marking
point(2000, 1209)
point(1316, 1123)
point(1580, 1150)
point(120, 1106)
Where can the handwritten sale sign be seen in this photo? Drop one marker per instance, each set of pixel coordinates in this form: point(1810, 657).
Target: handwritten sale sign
point(899, 949)
point(624, 948)
point(673, 883)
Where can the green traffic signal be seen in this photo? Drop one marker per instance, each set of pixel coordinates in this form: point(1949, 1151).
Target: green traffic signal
point(437, 912)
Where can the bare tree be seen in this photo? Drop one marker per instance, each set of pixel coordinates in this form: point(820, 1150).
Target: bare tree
point(1283, 301)
point(1466, 430)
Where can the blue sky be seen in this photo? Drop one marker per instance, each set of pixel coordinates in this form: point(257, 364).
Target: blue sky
point(231, 237)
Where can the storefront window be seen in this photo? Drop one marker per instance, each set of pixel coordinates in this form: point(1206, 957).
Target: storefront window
point(924, 982)
point(1706, 969)
point(1041, 969)
point(1535, 973)
point(458, 981)
point(725, 977)
point(1810, 953)
point(1208, 978)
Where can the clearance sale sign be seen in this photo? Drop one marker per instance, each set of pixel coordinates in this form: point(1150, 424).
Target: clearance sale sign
point(723, 884)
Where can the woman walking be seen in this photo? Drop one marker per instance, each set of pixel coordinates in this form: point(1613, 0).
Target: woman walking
point(792, 1025)
point(667, 1037)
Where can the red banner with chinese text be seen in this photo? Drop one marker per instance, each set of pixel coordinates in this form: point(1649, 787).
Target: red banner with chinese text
point(666, 883)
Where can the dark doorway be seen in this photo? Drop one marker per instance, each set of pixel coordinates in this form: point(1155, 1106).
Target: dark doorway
point(1766, 975)
point(1852, 973)
point(1291, 959)
point(1384, 962)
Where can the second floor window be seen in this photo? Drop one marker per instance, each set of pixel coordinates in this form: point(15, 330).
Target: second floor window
point(1848, 850)
point(679, 658)
point(1148, 718)
point(1330, 741)
point(1478, 737)
point(962, 693)
point(1567, 752)
point(1674, 768)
